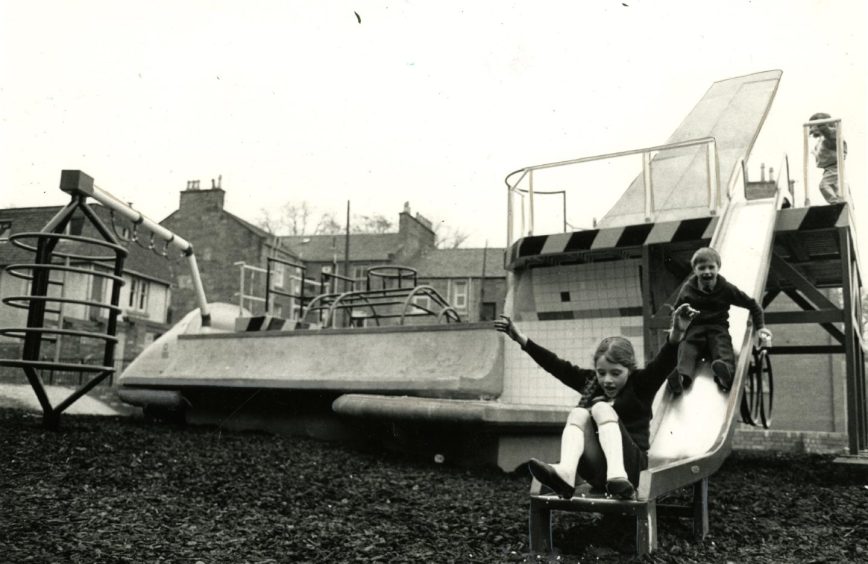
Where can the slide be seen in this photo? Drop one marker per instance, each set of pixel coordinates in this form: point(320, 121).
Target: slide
point(691, 435)
point(732, 111)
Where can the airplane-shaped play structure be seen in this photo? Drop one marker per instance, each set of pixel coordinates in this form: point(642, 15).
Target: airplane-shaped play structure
point(456, 388)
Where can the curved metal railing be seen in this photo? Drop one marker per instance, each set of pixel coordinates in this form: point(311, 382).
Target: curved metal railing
point(49, 246)
point(400, 304)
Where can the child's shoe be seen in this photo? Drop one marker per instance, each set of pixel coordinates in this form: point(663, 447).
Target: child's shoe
point(546, 475)
point(673, 381)
point(722, 375)
point(620, 488)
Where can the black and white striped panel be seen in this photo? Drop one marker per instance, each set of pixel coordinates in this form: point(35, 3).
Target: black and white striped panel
point(614, 238)
point(812, 218)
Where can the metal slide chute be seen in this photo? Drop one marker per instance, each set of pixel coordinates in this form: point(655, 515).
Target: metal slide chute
point(691, 435)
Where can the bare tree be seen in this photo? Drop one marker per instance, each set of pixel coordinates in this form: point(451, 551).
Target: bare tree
point(328, 225)
point(376, 223)
point(291, 219)
point(446, 237)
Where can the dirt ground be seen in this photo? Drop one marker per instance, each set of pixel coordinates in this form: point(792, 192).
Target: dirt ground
point(120, 489)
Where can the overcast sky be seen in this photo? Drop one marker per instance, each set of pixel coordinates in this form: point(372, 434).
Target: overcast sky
point(427, 102)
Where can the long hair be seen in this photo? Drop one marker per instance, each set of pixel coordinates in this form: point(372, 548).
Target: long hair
point(616, 350)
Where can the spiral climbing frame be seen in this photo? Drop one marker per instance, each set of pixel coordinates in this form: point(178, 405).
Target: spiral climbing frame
point(56, 252)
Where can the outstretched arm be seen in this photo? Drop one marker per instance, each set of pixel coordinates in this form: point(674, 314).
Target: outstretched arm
point(656, 370)
point(563, 370)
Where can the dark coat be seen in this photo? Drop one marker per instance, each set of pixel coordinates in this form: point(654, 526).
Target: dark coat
point(714, 306)
point(633, 402)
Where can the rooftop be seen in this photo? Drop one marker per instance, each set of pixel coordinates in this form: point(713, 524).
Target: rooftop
point(140, 260)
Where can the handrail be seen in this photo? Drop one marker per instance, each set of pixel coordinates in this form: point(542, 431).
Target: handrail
point(712, 166)
point(730, 191)
point(839, 155)
point(77, 182)
point(268, 290)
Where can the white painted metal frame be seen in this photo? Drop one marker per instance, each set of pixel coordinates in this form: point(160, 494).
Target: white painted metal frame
point(171, 238)
point(712, 166)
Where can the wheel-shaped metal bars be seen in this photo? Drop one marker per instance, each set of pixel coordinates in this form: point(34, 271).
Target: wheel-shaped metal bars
point(50, 245)
point(378, 304)
point(758, 399)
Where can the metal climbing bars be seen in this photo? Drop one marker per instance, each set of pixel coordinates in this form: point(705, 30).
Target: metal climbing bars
point(392, 300)
point(57, 251)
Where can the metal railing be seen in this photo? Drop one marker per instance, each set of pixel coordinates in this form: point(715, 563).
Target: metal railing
point(527, 224)
point(77, 182)
point(393, 300)
point(247, 292)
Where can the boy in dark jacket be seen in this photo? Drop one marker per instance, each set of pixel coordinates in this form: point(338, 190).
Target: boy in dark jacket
point(709, 292)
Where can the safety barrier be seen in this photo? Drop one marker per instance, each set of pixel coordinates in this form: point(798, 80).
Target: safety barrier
point(527, 219)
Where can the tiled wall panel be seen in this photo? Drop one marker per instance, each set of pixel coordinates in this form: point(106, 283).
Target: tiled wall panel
point(604, 300)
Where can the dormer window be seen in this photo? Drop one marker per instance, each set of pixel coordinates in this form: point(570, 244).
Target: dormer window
point(5, 230)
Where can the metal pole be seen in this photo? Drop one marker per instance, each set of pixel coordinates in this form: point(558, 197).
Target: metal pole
point(482, 283)
point(713, 189)
point(839, 150)
point(509, 226)
point(77, 182)
point(530, 203)
point(646, 178)
point(58, 342)
point(347, 245)
point(267, 285)
point(240, 288)
point(805, 164)
point(564, 194)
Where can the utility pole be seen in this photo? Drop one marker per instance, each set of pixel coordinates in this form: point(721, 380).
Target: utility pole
point(347, 245)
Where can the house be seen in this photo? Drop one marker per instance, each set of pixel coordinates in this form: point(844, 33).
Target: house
point(472, 280)
point(233, 255)
point(327, 253)
point(144, 297)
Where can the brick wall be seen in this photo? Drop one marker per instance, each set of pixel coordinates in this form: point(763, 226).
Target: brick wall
point(415, 236)
point(219, 240)
point(814, 442)
point(809, 389)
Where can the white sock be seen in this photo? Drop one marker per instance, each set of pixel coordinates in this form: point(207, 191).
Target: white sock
point(572, 447)
point(610, 441)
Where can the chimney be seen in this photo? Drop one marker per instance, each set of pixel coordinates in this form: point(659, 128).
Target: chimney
point(197, 200)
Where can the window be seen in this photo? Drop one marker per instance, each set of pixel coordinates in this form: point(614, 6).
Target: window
point(489, 311)
point(5, 230)
point(360, 271)
point(459, 294)
point(138, 299)
point(278, 272)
